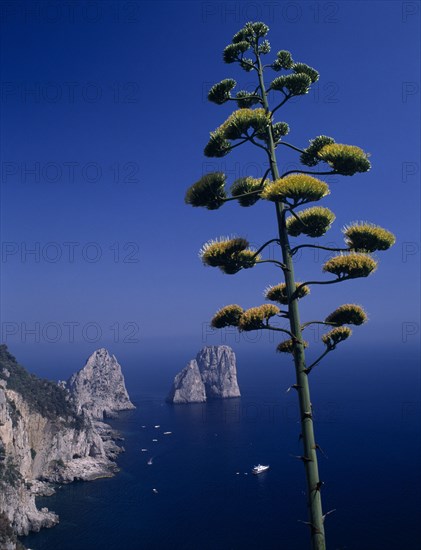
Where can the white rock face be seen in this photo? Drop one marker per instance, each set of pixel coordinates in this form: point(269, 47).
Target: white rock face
point(37, 448)
point(40, 448)
point(218, 369)
point(98, 388)
point(212, 375)
point(188, 386)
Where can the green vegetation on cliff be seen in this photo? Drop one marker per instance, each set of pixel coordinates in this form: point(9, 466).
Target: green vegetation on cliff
point(42, 396)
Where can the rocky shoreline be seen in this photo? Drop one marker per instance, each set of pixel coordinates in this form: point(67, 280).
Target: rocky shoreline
point(54, 433)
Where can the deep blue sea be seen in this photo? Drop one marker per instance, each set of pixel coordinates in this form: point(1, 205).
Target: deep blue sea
point(367, 421)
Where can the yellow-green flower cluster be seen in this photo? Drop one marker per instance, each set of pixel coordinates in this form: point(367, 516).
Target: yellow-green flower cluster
point(314, 222)
point(352, 265)
point(295, 84)
point(332, 338)
point(245, 99)
point(347, 314)
point(278, 293)
point(221, 92)
point(287, 346)
point(217, 145)
point(309, 157)
point(237, 126)
point(245, 38)
point(250, 32)
point(227, 316)
point(279, 130)
point(264, 47)
point(230, 255)
point(368, 237)
point(302, 68)
point(300, 188)
point(345, 159)
point(233, 51)
point(241, 121)
point(243, 186)
point(208, 192)
point(247, 64)
point(254, 318)
point(283, 61)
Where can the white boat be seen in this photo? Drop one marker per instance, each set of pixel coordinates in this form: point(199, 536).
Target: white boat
point(155, 491)
point(144, 450)
point(157, 426)
point(167, 433)
point(154, 440)
point(150, 461)
point(259, 469)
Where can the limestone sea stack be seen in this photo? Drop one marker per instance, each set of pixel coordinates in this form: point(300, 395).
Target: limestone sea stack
point(50, 434)
point(212, 375)
point(98, 388)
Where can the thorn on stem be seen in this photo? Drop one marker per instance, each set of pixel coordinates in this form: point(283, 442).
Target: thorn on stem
point(313, 528)
point(317, 447)
point(295, 387)
point(327, 513)
point(303, 458)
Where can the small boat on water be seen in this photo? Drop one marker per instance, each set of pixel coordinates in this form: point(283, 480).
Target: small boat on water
point(144, 450)
point(155, 491)
point(167, 433)
point(154, 440)
point(157, 426)
point(150, 461)
point(260, 469)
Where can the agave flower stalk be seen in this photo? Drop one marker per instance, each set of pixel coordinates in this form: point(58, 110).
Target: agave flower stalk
point(289, 191)
point(310, 459)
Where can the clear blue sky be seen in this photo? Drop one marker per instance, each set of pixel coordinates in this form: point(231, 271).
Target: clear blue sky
point(103, 125)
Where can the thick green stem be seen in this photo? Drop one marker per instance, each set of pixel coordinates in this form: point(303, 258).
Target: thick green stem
point(310, 457)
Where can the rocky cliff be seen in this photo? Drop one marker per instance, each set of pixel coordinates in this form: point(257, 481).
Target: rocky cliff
point(212, 375)
point(188, 386)
point(45, 438)
point(98, 388)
